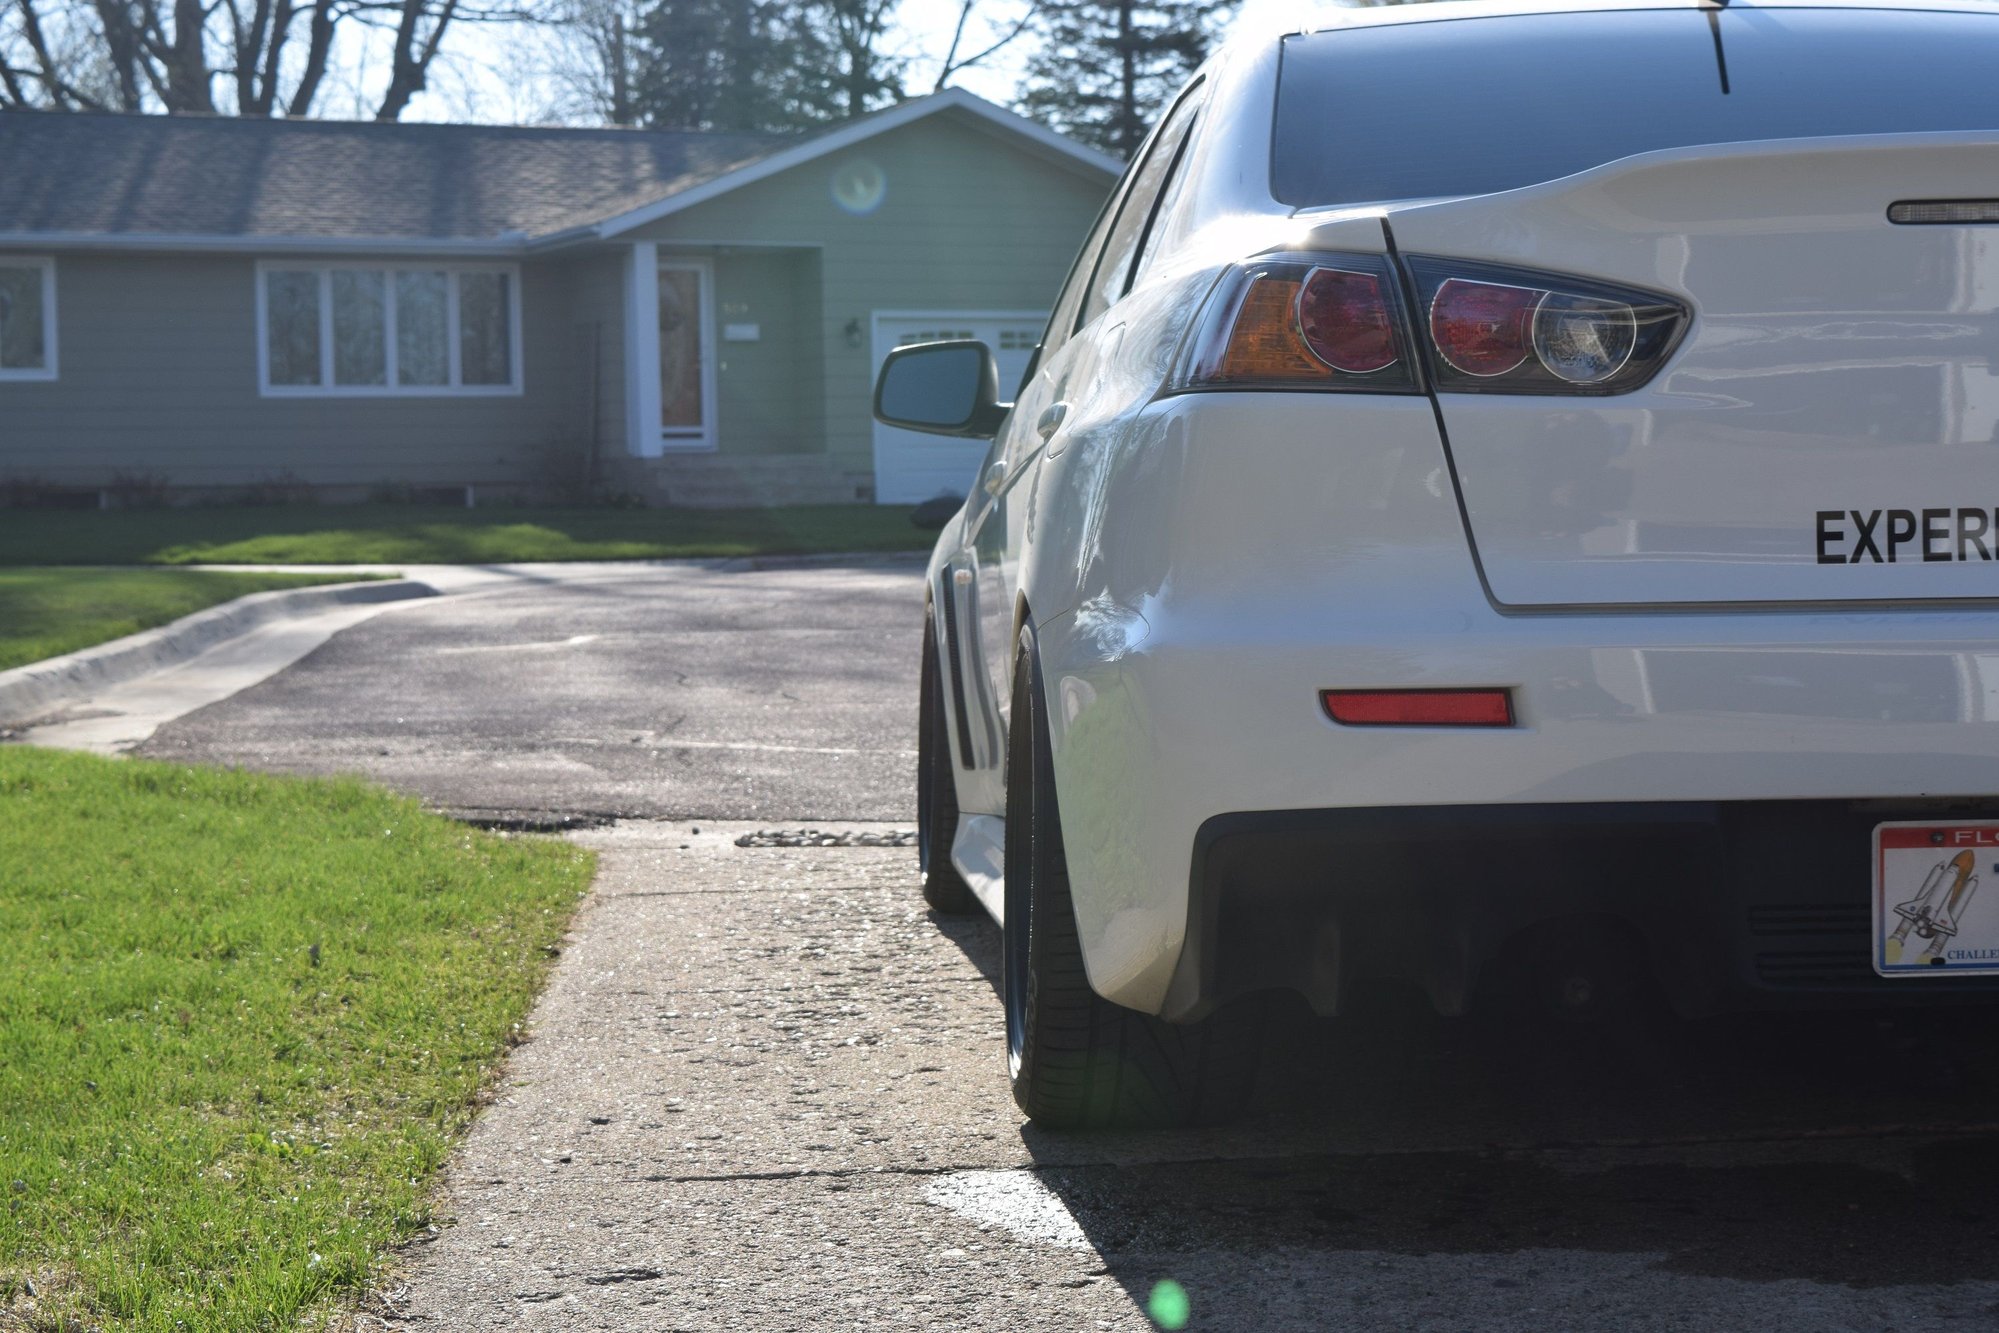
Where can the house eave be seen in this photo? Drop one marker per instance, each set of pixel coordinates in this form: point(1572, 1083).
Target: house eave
point(881, 122)
point(480, 248)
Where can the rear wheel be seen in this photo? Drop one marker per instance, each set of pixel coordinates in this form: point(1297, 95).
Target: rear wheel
point(1078, 1061)
point(937, 793)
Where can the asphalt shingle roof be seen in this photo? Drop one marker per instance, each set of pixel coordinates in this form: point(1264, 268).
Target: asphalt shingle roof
point(221, 176)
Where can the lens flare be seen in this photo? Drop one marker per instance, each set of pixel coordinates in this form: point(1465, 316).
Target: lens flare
point(1168, 1305)
point(859, 187)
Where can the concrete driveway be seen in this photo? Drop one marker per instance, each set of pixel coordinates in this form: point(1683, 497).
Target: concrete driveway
point(766, 1088)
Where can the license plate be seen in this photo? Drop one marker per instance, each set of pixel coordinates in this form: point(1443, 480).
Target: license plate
point(1934, 915)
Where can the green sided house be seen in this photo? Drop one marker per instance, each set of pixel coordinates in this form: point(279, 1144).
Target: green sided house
point(209, 304)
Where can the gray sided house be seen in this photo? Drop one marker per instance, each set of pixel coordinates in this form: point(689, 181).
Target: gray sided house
point(221, 304)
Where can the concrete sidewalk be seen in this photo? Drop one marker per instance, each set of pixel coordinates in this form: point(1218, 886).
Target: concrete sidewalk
point(766, 1091)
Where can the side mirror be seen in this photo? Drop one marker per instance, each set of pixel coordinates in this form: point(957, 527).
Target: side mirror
point(948, 388)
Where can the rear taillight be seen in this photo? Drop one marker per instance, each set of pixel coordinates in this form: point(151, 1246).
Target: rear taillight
point(1319, 321)
point(1495, 330)
point(1339, 322)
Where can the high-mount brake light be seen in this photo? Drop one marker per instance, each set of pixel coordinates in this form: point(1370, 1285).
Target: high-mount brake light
point(1338, 322)
point(1302, 321)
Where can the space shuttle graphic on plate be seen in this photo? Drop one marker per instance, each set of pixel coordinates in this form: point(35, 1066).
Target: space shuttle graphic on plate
point(1934, 913)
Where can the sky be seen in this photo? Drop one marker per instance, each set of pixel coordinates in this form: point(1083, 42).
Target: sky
point(495, 74)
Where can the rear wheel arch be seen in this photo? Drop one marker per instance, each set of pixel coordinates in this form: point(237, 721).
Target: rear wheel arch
point(1076, 1059)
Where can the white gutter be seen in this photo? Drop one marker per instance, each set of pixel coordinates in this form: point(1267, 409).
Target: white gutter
point(486, 248)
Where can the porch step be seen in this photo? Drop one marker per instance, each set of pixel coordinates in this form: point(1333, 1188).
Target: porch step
point(722, 481)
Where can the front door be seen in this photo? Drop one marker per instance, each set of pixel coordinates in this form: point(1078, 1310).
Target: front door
point(911, 467)
point(686, 355)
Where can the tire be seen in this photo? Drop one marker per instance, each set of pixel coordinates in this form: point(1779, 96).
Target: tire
point(937, 794)
point(1077, 1060)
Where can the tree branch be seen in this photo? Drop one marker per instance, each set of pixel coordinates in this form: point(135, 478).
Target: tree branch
point(949, 69)
point(319, 46)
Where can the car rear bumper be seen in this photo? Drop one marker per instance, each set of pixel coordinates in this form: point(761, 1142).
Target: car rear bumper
point(1734, 905)
point(1189, 725)
point(1290, 549)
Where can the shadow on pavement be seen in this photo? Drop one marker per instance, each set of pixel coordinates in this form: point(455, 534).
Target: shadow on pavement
point(1853, 1150)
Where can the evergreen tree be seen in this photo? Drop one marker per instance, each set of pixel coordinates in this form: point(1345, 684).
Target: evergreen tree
point(729, 65)
point(1106, 68)
point(762, 64)
point(863, 77)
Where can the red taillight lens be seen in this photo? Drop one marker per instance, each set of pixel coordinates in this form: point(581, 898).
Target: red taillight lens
point(1482, 328)
point(1319, 321)
point(1419, 708)
point(1346, 321)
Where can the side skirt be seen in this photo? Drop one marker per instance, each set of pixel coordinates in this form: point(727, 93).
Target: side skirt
point(979, 853)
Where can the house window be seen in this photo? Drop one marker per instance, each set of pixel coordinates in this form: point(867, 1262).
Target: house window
point(27, 318)
point(380, 329)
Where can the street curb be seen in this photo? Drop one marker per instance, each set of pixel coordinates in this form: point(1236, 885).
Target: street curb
point(29, 691)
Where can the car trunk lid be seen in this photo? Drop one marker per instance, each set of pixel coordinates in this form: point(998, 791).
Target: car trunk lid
point(1827, 430)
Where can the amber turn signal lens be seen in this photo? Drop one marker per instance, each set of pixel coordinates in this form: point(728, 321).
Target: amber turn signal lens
point(1264, 345)
point(1419, 708)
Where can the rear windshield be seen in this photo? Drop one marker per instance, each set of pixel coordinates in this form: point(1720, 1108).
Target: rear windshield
point(1416, 110)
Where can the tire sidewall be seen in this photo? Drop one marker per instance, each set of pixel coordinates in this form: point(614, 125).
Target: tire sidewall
point(928, 722)
point(1017, 929)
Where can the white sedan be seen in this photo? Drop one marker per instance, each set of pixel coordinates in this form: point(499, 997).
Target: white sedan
point(1504, 491)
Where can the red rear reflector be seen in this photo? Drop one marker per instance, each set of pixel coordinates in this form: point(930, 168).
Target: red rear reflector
point(1419, 708)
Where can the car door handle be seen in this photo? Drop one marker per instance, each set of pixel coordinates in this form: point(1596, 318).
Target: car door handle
point(996, 477)
point(1051, 418)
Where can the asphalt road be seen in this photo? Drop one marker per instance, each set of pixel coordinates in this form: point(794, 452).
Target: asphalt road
point(679, 690)
point(766, 1087)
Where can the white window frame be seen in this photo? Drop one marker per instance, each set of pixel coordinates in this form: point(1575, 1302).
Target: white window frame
point(326, 388)
point(646, 437)
point(50, 339)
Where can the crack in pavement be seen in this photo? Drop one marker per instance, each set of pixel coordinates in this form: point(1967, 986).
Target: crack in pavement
point(1514, 1152)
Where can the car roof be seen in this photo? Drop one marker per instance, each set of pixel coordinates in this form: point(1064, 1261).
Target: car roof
point(1332, 18)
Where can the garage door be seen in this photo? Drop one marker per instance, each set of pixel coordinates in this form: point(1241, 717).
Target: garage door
point(911, 467)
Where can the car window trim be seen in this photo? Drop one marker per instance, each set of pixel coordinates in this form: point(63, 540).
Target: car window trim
point(1166, 185)
point(1137, 169)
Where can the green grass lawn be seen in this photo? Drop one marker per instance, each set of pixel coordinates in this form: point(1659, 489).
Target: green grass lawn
point(242, 1021)
point(407, 534)
point(47, 612)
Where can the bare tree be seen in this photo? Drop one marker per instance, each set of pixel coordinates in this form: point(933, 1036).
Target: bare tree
point(178, 68)
point(594, 61)
point(420, 27)
point(258, 44)
point(952, 62)
point(268, 57)
point(40, 60)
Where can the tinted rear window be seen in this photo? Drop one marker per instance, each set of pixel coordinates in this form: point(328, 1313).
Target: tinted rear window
point(1470, 106)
